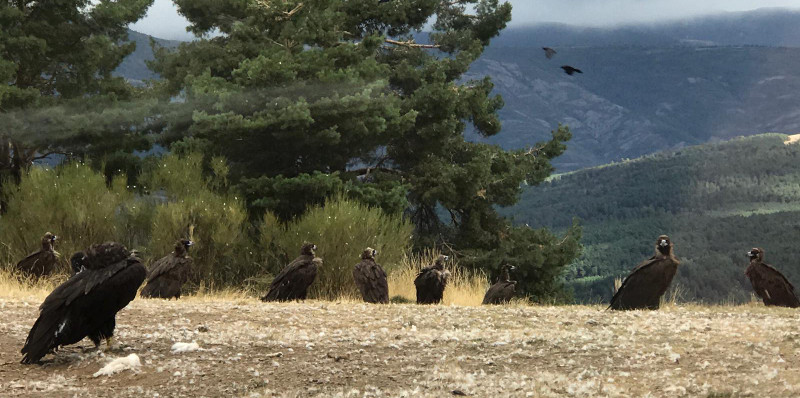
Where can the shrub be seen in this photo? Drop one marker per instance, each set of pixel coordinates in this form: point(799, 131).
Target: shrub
point(223, 253)
point(341, 229)
point(72, 201)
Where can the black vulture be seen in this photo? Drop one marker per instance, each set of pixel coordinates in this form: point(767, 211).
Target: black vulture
point(549, 52)
point(769, 283)
point(87, 303)
point(643, 288)
point(169, 273)
point(570, 70)
point(431, 281)
point(370, 278)
point(43, 261)
point(502, 291)
point(292, 283)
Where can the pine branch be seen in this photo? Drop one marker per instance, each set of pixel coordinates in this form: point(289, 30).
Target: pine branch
point(410, 44)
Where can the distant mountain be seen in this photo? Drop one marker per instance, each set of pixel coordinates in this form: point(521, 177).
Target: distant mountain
point(635, 100)
point(777, 27)
point(134, 67)
point(715, 201)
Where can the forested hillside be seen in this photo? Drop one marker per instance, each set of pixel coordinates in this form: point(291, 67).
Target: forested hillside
point(715, 201)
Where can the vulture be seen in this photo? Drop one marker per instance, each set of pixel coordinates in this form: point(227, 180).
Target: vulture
point(502, 291)
point(549, 52)
point(168, 274)
point(87, 303)
point(43, 261)
point(643, 288)
point(292, 283)
point(570, 70)
point(768, 282)
point(431, 281)
point(370, 278)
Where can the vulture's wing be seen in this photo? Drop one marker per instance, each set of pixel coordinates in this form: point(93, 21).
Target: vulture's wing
point(642, 285)
point(101, 255)
point(780, 289)
point(167, 264)
point(29, 262)
point(423, 276)
point(289, 270)
point(371, 278)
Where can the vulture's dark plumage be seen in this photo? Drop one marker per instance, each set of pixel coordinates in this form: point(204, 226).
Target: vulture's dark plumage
point(41, 262)
point(570, 70)
point(168, 274)
point(370, 278)
point(293, 281)
point(549, 52)
point(769, 283)
point(643, 288)
point(431, 281)
point(87, 303)
point(502, 291)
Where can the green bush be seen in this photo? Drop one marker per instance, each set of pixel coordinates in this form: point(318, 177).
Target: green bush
point(73, 202)
point(341, 229)
point(223, 253)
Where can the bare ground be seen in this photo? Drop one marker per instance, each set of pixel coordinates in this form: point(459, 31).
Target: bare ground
point(249, 348)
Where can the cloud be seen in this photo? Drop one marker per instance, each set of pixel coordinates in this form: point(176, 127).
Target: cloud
point(611, 12)
point(163, 20)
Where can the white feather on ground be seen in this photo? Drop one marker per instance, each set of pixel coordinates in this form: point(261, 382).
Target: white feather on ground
point(185, 347)
point(131, 362)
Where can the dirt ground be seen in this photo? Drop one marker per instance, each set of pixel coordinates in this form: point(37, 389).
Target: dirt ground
point(249, 348)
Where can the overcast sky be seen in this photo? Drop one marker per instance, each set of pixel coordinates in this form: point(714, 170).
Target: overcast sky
point(163, 20)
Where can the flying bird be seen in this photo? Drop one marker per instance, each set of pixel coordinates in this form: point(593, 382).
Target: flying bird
point(549, 52)
point(570, 70)
point(370, 278)
point(43, 261)
point(293, 281)
point(431, 281)
point(87, 303)
point(168, 274)
point(643, 288)
point(502, 291)
point(768, 283)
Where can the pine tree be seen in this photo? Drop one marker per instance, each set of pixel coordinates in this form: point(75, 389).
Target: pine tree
point(56, 62)
point(309, 97)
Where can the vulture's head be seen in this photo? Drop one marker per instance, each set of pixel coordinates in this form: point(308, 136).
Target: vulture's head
point(48, 240)
point(369, 253)
point(664, 245)
point(439, 264)
point(505, 273)
point(182, 246)
point(308, 249)
point(78, 262)
point(756, 253)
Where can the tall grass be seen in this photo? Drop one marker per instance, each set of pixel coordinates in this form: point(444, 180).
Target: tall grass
point(466, 287)
point(71, 201)
point(341, 229)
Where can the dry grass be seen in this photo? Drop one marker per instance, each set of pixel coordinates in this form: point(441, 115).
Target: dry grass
point(465, 288)
point(14, 286)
